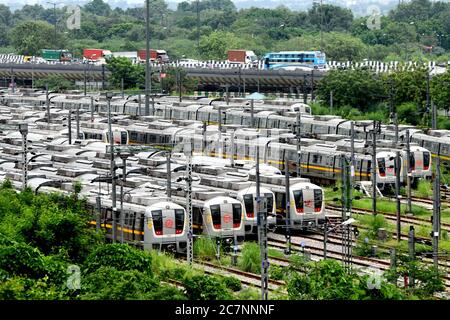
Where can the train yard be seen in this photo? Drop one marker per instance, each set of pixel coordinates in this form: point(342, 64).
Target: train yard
point(161, 176)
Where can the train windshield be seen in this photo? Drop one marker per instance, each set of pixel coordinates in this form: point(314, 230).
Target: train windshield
point(157, 222)
point(318, 198)
point(269, 202)
point(237, 214)
point(298, 198)
point(249, 207)
point(215, 214)
point(426, 160)
point(382, 167)
point(179, 221)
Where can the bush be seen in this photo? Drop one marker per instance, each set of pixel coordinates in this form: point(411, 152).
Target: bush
point(250, 260)
point(205, 288)
point(108, 283)
point(119, 256)
point(232, 283)
point(276, 272)
point(205, 249)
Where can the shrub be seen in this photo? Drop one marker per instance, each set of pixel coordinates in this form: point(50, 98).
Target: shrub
point(250, 260)
point(205, 288)
point(232, 283)
point(120, 256)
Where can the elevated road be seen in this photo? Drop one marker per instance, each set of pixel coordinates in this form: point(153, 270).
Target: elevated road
point(28, 71)
point(205, 76)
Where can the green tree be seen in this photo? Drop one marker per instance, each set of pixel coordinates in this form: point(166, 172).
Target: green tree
point(30, 37)
point(216, 45)
point(55, 83)
point(440, 90)
point(360, 89)
point(133, 75)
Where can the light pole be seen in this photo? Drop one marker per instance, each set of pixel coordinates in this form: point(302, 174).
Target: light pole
point(124, 157)
point(56, 20)
point(109, 96)
point(148, 83)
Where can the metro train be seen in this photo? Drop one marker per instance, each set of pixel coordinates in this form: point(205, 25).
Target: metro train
point(162, 224)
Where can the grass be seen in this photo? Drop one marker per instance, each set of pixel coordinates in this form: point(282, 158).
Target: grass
point(275, 253)
point(250, 260)
point(205, 249)
point(424, 189)
point(389, 207)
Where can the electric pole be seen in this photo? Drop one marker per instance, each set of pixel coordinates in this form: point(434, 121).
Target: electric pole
point(169, 175)
point(397, 194)
point(112, 169)
point(374, 169)
point(148, 83)
point(262, 233)
point(23, 129)
point(299, 141)
point(436, 210)
point(47, 103)
point(408, 175)
point(198, 28)
point(190, 246)
point(288, 206)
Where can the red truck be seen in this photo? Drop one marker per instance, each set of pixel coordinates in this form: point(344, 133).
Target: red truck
point(242, 56)
point(155, 55)
point(96, 54)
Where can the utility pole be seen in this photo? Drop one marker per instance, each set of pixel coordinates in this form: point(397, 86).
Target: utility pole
point(179, 85)
point(408, 175)
point(124, 157)
point(122, 87)
point(198, 28)
point(352, 154)
point(56, 21)
point(227, 94)
point(85, 79)
point(92, 109)
point(288, 206)
point(434, 116)
point(299, 141)
point(78, 120)
point(47, 103)
point(346, 199)
point(252, 110)
point(396, 127)
point(331, 102)
point(109, 96)
point(148, 83)
point(374, 169)
point(262, 233)
point(190, 246)
point(428, 91)
point(397, 194)
point(305, 92)
point(169, 176)
point(412, 253)
point(436, 210)
point(13, 84)
point(69, 124)
point(23, 129)
point(312, 85)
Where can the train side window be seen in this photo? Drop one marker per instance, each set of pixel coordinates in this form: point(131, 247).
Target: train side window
point(123, 137)
point(412, 161)
point(249, 207)
point(216, 216)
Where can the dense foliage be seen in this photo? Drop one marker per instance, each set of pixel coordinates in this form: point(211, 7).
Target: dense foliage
point(362, 93)
point(407, 32)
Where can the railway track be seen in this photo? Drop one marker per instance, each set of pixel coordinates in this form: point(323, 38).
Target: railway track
point(393, 217)
point(380, 264)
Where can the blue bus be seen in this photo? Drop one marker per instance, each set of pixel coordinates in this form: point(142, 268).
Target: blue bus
point(292, 59)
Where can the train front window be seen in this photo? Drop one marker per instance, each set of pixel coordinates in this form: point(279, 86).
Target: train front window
point(123, 137)
point(382, 167)
point(249, 208)
point(426, 160)
point(318, 198)
point(157, 222)
point(237, 215)
point(179, 221)
point(299, 204)
point(269, 202)
point(216, 217)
